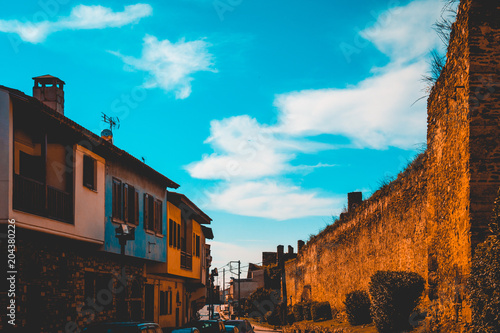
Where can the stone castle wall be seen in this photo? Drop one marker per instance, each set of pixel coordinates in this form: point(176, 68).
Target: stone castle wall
point(430, 218)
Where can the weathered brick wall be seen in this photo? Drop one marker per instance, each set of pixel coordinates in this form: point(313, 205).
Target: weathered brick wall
point(54, 269)
point(386, 232)
point(430, 218)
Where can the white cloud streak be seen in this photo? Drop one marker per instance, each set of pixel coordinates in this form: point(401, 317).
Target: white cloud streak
point(171, 65)
point(270, 199)
point(374, 113)
point(82, 17)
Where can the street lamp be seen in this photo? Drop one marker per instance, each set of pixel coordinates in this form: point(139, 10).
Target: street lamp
point(213, 274)
point(124, 233)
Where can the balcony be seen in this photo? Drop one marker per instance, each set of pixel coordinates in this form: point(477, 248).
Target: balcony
point(186, 260)
point(34, 197)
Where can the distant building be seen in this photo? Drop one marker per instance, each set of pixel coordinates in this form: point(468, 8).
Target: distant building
point(271, 258)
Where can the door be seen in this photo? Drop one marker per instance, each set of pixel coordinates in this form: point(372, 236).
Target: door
point(149, 300)
point(177, 317)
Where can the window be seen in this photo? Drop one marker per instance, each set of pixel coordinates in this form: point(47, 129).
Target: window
point(117, 199)
point(89, 172)
point(163, 303)
point(97, 289)
point(30, 166)
point(169, 301)
point(198, 246)
point(174, 235)
point(153, 214)
point(171, 232)
point(125, 202)
point(130, 204)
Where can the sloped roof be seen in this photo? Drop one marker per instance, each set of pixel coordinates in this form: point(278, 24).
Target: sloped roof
point(178, 198)
point(105, 148)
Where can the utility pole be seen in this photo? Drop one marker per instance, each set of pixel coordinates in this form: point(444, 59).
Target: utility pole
point(281, 265)
point(239, 289)
point(224, 286)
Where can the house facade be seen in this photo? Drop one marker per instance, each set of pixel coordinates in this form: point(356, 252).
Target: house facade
point(70, 193)
point(180, 282)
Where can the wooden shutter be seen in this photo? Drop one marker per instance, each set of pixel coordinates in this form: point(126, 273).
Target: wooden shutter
point(158, 217)
point(136, 205)
point(146, 210)
point(131, 204)
point(170, 232)
point(117, 199)
point(125, 203)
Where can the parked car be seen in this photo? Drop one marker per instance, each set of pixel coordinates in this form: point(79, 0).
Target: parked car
point(209, 326)
point(243, 325)
point(123, 327)
point(231, 329)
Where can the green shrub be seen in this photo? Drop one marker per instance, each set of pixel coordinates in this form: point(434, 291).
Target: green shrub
point(298, 311)
point(394, 297)
point(357, 306)
point(321, 311)
point(484, 281)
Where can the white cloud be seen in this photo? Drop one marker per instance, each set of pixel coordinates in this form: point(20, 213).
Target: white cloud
point(270, 199)
point(246, 149)
point(229, 251)
point(171, 65)
point(81, 18)
point(374, 113)
point(405, 32)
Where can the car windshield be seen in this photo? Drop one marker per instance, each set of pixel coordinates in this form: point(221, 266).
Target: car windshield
point(208, 326)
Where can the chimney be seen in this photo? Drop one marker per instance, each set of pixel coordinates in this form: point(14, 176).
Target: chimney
point(290, 249)
point(49, 90)
point(300, 245)
point(354, 199)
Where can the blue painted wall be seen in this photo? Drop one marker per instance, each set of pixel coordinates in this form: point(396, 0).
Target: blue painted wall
point(140, 247)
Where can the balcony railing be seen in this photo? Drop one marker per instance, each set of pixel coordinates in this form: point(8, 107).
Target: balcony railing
point(186, 260)
point(34, 197)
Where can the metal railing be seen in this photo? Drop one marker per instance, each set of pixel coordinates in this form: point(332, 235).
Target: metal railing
point(34, 197)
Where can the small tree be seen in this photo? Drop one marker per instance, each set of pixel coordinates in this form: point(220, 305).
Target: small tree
point(260, 302)
point(484, 281)
point(394, 296)
point(357, 306)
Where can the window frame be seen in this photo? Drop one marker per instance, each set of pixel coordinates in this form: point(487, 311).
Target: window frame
point(87, 161)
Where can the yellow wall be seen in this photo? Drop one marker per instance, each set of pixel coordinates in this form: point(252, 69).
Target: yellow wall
point(165, 285)
point(174, 254)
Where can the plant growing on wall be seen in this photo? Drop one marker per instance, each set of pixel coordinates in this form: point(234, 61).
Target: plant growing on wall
point(484, 281)
point(395, 295)
point(357, 306)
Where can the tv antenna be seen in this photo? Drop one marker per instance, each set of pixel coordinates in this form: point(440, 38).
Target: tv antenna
point(114, 122)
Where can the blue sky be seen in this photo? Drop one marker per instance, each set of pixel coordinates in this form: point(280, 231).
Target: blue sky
point(266, 112)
